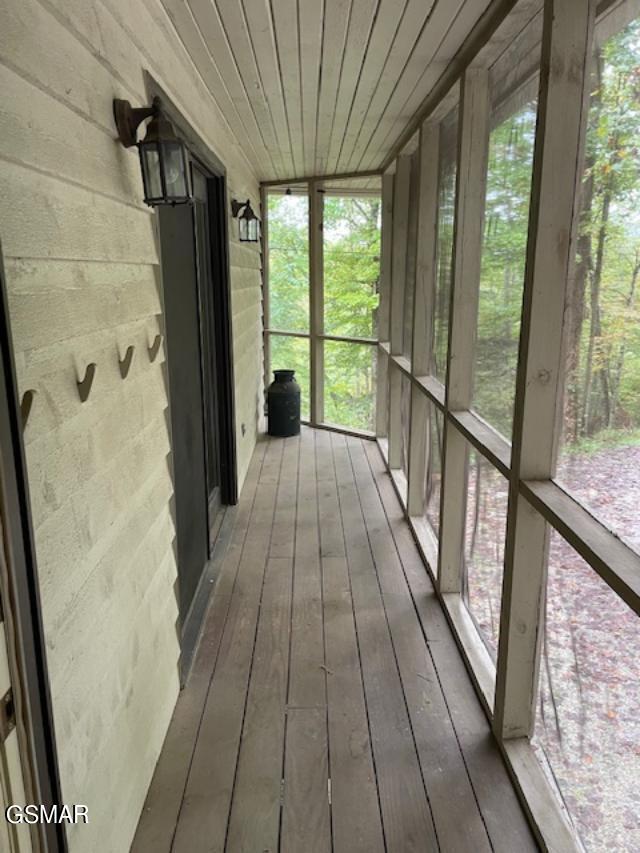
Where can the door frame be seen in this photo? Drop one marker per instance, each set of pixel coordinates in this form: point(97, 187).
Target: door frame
point(191, 623)
point(220, 271)
point(20, 597)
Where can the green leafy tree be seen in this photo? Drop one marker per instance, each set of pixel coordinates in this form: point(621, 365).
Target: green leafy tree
point(502, 270)
point(603, 353)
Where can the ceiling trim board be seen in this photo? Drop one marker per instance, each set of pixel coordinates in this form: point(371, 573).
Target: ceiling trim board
point(338, 176)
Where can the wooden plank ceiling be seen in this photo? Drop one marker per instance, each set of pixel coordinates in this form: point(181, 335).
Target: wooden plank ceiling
point(320, 87)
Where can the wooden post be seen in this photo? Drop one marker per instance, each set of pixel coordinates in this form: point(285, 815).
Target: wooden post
point(471, 179)
point(386, 254)
point(316, 300)
point(398, 281)
point(399, 252)
point(423, 313)
point(557, 171)
point(384, 310)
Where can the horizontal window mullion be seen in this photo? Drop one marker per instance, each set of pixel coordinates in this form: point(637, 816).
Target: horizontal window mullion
point(433, 388)
point(616, 563)
point(355, 433)
point(403, 364)
point(346, 339)
point(484, 438)
point(284, 334)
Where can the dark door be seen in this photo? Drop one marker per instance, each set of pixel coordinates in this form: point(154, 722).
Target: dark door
point(182, 331)
point(200, 370)
point(209, 360)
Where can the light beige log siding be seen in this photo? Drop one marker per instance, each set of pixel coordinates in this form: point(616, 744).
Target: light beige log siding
point(81, 261)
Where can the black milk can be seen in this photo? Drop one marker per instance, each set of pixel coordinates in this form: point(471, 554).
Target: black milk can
point(283, 404)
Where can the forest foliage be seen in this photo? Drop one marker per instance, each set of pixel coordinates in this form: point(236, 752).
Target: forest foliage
point(602, 346)
point(351, 229)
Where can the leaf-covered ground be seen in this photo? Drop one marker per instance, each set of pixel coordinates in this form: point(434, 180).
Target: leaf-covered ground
point(588, 723)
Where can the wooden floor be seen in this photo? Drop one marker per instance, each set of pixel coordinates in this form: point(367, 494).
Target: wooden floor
point(328, 707)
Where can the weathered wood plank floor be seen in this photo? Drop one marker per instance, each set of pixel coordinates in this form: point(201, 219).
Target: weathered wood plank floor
point(328, 707)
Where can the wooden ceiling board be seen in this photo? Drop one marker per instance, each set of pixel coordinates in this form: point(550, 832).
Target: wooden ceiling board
point(311, 25)
point(446, 31)
point(224, 23)
point(287, 39)
point(260, 23)
point(207, 18)
point(414, 24)
point(315, 87)
point(336, 25)
point(189, 32)
point(387, 20)
point(361, 21)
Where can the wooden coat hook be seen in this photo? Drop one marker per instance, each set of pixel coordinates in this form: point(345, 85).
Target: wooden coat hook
point(25, 405)
point(125, 363)
point(84, 385)
point(155, 347)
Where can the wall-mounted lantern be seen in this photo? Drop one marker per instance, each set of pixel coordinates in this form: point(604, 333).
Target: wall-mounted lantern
point(247, 221)
point(163, 156)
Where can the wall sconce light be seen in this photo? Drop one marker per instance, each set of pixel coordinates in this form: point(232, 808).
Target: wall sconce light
point(247, 221)
point(163, 157)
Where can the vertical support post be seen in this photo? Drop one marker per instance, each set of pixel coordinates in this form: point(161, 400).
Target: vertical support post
point(266, 343)
point(426, 249)
point(386, 254)
point(395, 415)
point(399, 252)
point(316, 300)
point(471, 180)
point(384, 310)
point(398, 281)
point(423, 313)
point(382, 395)
point(557, 172)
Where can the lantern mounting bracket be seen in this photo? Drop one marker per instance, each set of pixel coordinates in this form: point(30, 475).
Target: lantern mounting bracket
point(128, 119)
point(236, 206)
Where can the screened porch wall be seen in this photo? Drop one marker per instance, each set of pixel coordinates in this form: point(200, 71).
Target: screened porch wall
point(503, 476)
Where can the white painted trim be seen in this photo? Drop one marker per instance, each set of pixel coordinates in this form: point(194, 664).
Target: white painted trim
point(316, 300)
point(557, 174)
point(471, 178)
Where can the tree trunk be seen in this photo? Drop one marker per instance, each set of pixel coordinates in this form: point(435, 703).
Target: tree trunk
point(575, 313)
point(619, 367)
point(591, 420)
point(574, 411)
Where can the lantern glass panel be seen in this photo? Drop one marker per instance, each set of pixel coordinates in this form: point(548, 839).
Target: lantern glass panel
point(253, 230)
point(175, 171)
point(150, 159)
point(243, 229)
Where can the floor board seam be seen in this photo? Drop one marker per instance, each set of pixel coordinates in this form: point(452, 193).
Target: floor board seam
point(213, 669)
point(253, 652)
point(293, 583)
point(355, 627)
point(324, 640)
point(429, 651)
point(391, 639)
